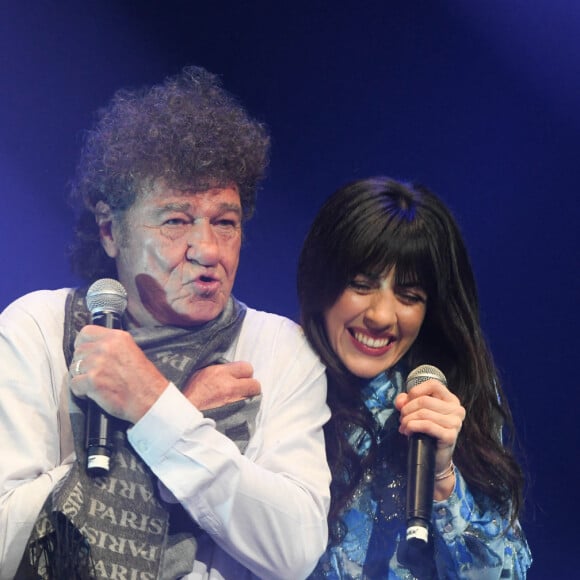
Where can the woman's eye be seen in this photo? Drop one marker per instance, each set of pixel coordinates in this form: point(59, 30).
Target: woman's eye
point(361, 285)
point(412, 297)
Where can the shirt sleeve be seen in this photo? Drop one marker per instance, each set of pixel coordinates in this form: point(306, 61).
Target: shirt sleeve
point(266, 508)
point(473, 540)
point(32, 414)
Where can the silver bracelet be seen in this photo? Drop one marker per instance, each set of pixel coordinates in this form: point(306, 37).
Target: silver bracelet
point(447, 472)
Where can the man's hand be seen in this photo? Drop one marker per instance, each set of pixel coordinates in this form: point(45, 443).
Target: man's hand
point(110, 368)
point(220, 384)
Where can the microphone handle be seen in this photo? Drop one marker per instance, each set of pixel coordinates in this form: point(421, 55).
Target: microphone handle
point(98, 442)
point(420, 483)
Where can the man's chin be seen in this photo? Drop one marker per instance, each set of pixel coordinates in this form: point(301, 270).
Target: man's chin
point(197, 312)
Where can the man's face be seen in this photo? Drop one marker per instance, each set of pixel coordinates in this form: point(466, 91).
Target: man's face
point(177, 254)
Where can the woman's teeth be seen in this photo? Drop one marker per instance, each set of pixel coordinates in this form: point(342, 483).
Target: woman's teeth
point(371, 342)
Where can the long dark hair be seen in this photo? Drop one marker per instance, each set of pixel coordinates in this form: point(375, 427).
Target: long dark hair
point(366, 228)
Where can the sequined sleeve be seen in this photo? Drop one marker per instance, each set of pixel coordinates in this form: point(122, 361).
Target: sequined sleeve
point(471, 542)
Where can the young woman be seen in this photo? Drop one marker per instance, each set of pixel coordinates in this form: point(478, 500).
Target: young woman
point(385, 284)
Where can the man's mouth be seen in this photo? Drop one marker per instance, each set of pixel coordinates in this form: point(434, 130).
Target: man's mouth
point(206, 285)
point(206, 279)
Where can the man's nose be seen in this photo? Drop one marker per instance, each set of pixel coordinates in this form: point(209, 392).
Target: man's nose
point(202, 244)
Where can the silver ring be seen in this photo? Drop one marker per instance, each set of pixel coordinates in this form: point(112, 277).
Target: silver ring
point(78, 367)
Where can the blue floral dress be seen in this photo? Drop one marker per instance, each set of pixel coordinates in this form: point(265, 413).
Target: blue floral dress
point(468, 541)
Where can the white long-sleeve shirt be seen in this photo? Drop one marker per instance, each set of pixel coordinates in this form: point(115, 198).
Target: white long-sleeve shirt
point(264, 511)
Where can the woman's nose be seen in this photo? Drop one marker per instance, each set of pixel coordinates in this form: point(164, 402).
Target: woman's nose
point(381, 312)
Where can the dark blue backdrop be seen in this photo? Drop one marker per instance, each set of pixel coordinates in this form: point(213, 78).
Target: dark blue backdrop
point(479, 100)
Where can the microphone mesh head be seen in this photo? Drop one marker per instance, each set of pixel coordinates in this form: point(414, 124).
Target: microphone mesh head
point(106, 295)
point(424, 373)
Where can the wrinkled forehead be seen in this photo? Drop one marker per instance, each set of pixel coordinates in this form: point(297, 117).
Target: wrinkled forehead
point(157, 204)
point(162, 187)
point(161, 195)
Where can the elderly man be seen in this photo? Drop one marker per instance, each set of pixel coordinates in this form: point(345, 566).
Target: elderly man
point(215, 409)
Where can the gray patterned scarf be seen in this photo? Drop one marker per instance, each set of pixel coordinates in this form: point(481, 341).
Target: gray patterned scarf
point(118, 525)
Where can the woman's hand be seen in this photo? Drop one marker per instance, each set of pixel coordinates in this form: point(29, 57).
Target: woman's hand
point(431, 408)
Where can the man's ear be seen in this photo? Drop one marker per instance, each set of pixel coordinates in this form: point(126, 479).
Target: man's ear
point(107, 231)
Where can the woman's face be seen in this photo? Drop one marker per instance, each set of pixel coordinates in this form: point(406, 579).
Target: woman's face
point(374, 323)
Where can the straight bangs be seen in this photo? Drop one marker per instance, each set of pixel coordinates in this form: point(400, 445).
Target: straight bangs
point(379, 237)
point(412, 255)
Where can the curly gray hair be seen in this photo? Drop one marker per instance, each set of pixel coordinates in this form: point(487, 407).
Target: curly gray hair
point(188, 131)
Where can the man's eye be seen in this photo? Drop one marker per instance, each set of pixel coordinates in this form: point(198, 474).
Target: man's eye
point(175, 222)
point(175, 228)
point(226, 228)
point(226, 223)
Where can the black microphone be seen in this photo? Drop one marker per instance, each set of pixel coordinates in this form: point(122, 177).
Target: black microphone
point(421, 467)
point(106, 300)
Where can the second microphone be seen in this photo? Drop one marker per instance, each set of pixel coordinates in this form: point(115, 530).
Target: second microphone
point(106, 300)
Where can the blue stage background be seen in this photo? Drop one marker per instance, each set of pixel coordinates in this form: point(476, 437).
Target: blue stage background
point(478, 100)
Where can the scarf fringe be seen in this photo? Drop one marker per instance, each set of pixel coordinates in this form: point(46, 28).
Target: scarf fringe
point(64, 553)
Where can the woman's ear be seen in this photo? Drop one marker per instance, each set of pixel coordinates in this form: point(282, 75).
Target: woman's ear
point(104, 218)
